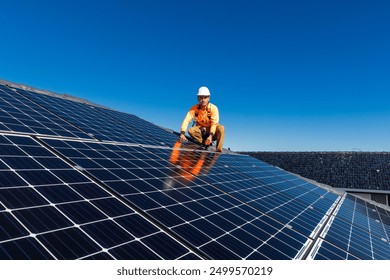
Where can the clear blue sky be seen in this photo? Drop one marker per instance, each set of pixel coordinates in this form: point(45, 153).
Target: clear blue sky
point(286, 75)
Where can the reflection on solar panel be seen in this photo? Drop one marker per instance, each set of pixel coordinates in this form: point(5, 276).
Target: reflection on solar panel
point(99, 187)
point(51, 210)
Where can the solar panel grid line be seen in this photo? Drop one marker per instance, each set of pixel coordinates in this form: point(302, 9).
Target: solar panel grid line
point(148, 128)
point(222, 248)
point(27, 184)
point(60, 108)
point(294, 219)
point(27, 235)
point(151, 235)
point(385, 224)
point(157, 224)
point(58, 205)
point(86, 225)
point(93, 123)
point(99, 229)
point(42, 233)
point(25, 249)
point(384, 211)
point(374, 249)
point(280, 205)
point(356, 237)
point(298, 254)
point(182, 221)
point(262, 177)
point(314, 252)
point(340, 209)
point(340, 238)
point(35, 118)
point(10, 123)
point(232, 181)
point(320, 230)
point(378, 248)
point(324, 228)
point(240, 179)
point(326, 251)
point(278, 193)
point(118, 195)
point(326, 219)
point(227, 233)
point(362, 219)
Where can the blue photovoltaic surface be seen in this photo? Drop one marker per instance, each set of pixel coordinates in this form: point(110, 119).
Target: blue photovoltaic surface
point(59, 213)
point(214, 222)
point(90, 119)
point(162, 136)
point(353, 229)
point(286, 198)
point(18, 114)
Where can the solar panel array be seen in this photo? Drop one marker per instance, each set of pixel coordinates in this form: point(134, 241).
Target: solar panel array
point(80, 181)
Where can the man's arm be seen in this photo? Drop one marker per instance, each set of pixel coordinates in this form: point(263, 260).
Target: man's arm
point(182, 137)
point(214, 118)
point(184, 125)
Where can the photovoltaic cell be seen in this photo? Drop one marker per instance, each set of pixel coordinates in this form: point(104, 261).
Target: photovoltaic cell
point(24, 249)
point(299, 205)
point(179, 201)
point(354, 231)
point(165, 138)
point(18, 114)
point(328, 251)
point(59, 213)
point(87, 118)
point(365, 215)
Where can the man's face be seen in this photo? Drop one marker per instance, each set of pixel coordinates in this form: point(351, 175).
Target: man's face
point(203, 100)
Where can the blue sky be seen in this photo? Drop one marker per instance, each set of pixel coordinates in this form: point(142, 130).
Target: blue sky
point(286, 75)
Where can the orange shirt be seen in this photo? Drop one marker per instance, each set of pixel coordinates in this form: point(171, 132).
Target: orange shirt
point(202, 119)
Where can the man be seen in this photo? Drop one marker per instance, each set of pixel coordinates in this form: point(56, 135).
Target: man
point(207, 128)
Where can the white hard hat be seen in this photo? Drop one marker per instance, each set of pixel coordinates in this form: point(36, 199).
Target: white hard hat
point(203, 91)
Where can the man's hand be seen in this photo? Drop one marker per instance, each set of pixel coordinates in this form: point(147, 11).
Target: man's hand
point(209, 140)
point(182, 137)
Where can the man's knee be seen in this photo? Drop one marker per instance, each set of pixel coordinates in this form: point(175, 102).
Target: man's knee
point(192, 131)
point(196, 134)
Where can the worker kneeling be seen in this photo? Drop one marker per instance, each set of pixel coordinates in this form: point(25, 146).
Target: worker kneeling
point(207, 128)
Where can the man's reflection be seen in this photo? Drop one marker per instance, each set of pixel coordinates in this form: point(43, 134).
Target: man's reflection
point(189, 164)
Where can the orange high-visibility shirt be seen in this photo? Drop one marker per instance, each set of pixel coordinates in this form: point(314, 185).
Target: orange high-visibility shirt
point(202, 120)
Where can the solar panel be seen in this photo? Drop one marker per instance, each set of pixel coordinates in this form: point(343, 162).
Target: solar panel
point(18, 114)
point(184, 206)
point(353, 230)
point(292, 201)
point(109, 185)
point(59, 213)
point(90, 119)
point(161, 135)
point(327, 251)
